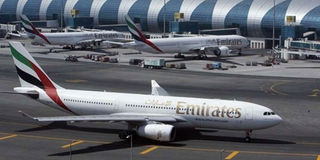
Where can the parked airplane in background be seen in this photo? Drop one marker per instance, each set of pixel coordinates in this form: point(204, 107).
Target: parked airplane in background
point(152, 116)
point(203, 45)
point(71, 39)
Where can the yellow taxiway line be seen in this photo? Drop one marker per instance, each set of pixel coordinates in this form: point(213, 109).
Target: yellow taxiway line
point(149, 150)
point(7, 137)
point(76, 81)
point(272, 88)
point(233, 154)
point(242, 151)
point(72, 144)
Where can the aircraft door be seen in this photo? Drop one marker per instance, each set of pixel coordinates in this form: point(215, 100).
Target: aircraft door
point(249, 113)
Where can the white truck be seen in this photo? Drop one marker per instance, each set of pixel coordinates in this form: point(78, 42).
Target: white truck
point(153, 63)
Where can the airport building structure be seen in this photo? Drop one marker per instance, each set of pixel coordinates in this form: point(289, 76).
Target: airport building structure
point(254, 18)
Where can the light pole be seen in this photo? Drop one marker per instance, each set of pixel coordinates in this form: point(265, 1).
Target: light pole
point(131, 151)
point(164, 17)
point(70, 151)
point(221, 154)
point(61, 14)
point(273, 24)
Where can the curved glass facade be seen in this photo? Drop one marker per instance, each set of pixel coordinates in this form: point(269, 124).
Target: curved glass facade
point(312, 20)
point(208, 13)
point(32, 8)
point(168, 11)
point(203, 14)
point(109, 12)
point(55, 8)
point(9, 10)
point(237, 17)
point(82, 6)
point(267, 21)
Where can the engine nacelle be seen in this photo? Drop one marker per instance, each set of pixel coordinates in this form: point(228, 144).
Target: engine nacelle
point(223, 50)
point(158, 132)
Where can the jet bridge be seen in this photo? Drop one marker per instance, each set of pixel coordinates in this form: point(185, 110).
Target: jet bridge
point(301, 48)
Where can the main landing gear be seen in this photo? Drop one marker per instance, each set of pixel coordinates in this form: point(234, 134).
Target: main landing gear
point(240, 52)
point(202, 55)
point(125, 134)
point(248, 136)
point(179, 55)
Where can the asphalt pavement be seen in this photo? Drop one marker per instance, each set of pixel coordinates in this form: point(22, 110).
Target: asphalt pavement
point(296, 100)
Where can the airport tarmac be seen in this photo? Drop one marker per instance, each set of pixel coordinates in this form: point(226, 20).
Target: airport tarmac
point(296, 100)
point(236, 64)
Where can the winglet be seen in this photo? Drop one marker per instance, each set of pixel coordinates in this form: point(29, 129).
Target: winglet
point(157, 90)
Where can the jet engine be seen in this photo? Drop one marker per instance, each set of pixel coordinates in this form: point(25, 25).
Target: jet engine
point(223, 50)
point(158, 132)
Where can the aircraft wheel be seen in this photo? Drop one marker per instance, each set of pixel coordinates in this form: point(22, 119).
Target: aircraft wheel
point(247, 139)
point(123, 135)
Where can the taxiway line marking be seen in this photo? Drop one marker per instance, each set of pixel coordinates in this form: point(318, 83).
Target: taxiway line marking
point(7, 137)
point(249, 152)
point(76, 81)
point(231, 155)
point(56, 138)
point(272, 88)
point(149, 150)
point(72, 144)
point(315, 93)
point(318, 157)
point(20, 124)
point(307, 143)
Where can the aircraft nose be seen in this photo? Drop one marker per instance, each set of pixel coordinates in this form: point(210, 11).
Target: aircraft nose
point(277, 119)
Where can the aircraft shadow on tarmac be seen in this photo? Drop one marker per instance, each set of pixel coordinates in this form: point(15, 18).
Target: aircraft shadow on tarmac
point(193, 58)
point(182, 135)
point(60, 50)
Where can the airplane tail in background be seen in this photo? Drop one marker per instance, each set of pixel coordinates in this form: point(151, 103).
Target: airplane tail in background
point(31, 30)
point(29, 71)
point(137, 34)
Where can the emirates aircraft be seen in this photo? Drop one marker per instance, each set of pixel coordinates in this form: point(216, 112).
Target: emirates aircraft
point(72, 39)
point(153, 116)
point(202, 45)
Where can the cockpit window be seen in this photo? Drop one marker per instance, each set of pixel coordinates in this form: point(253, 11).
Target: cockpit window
point(268, 113)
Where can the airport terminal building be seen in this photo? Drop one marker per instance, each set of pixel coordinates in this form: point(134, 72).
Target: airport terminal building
point(253, 17)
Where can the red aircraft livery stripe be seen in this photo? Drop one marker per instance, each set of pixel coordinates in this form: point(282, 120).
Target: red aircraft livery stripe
point(50, 88)
point(39, 34)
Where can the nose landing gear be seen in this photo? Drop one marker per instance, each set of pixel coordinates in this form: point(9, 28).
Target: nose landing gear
point(248, 136)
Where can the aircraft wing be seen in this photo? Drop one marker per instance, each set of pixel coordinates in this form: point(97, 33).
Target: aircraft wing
point(115, 43)
point(89, 41)
point(204, 48)
point(17, 35)
point(157, 90)
point(116, 117)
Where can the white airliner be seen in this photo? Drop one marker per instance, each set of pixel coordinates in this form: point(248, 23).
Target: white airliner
point(203, 45)
point(72, 39)
point(153, 116)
